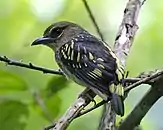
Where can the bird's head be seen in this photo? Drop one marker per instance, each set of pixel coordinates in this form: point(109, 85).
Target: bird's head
point(57, 34)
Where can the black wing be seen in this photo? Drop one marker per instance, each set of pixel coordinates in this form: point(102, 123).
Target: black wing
point(90, 61)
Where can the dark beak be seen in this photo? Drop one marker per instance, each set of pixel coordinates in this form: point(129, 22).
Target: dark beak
point(43, 41)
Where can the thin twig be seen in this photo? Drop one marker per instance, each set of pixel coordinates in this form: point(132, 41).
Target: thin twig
point(141, 109)
point(91, 109)
point(144, 80)
point(29, 66)
point(42, 105)
point(134, 80)
point(93, 19)
point(9, 61)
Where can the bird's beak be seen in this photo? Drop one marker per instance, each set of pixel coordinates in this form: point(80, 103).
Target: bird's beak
point(43, 41)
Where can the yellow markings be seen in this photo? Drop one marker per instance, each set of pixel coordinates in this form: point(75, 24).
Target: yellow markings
point(120, 90)
point(72, 55)
point(78, 56)
point(92, 75)
point(117, 89)
point(63, 53)
point(66, 46)
point(68, 51)
point(73, 65)
point(112, 88)
point(91, 56)
point(101, 66)
point(94, 61)
point(120, 68)
point(97, 72)
point(120, 76)
point(84, 50)
point(80, 65)
point(100, 59)
point(106, 45)
point(85, 65)
point(72, 44)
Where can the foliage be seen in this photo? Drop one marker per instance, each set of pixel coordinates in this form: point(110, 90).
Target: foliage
point(25, 95)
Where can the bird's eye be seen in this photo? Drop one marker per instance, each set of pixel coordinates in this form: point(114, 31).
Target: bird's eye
point(56, 32)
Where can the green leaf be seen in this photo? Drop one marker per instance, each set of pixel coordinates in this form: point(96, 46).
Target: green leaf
point(54, 105)
point(56, 84)
point(13, 115)
point(10, 82)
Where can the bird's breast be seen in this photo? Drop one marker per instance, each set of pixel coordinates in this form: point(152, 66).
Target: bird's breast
point(65, 69)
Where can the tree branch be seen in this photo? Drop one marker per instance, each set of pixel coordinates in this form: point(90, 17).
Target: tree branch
point(135, 82)
point(123, 43)
point(29, 66)
point(127, 30)
point(93, 19)
point(74, 110)
point(141, 109)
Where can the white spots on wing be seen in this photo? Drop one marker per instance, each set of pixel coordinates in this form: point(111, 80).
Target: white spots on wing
point(68, 51)
point(78, 53)
point(118, 89)
point(84, 50)
point(101, 66)
point(91, 56)
point(80, 65)
point(72, 55)
point(66, 46)
point(100, 59)
point(92, 75)
point(78, 57)
point(85, 65)
point(73, 65)
point(72, 44)
point(97, 72)
point(63, 53)
point(94, 61)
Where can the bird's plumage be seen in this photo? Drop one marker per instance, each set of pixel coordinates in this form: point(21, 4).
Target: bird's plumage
point(88, 61)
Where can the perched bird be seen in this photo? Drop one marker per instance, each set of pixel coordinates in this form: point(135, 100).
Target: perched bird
point(86, 60)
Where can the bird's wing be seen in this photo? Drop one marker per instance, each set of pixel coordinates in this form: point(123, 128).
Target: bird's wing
point(91, 62)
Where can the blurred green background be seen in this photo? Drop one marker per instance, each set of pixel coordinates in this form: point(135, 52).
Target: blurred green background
point(30, 100)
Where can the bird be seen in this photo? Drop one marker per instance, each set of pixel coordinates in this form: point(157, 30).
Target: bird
point(86, 60)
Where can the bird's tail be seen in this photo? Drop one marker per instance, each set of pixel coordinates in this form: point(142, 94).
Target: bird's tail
point(117, 98)
point(117, 104)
